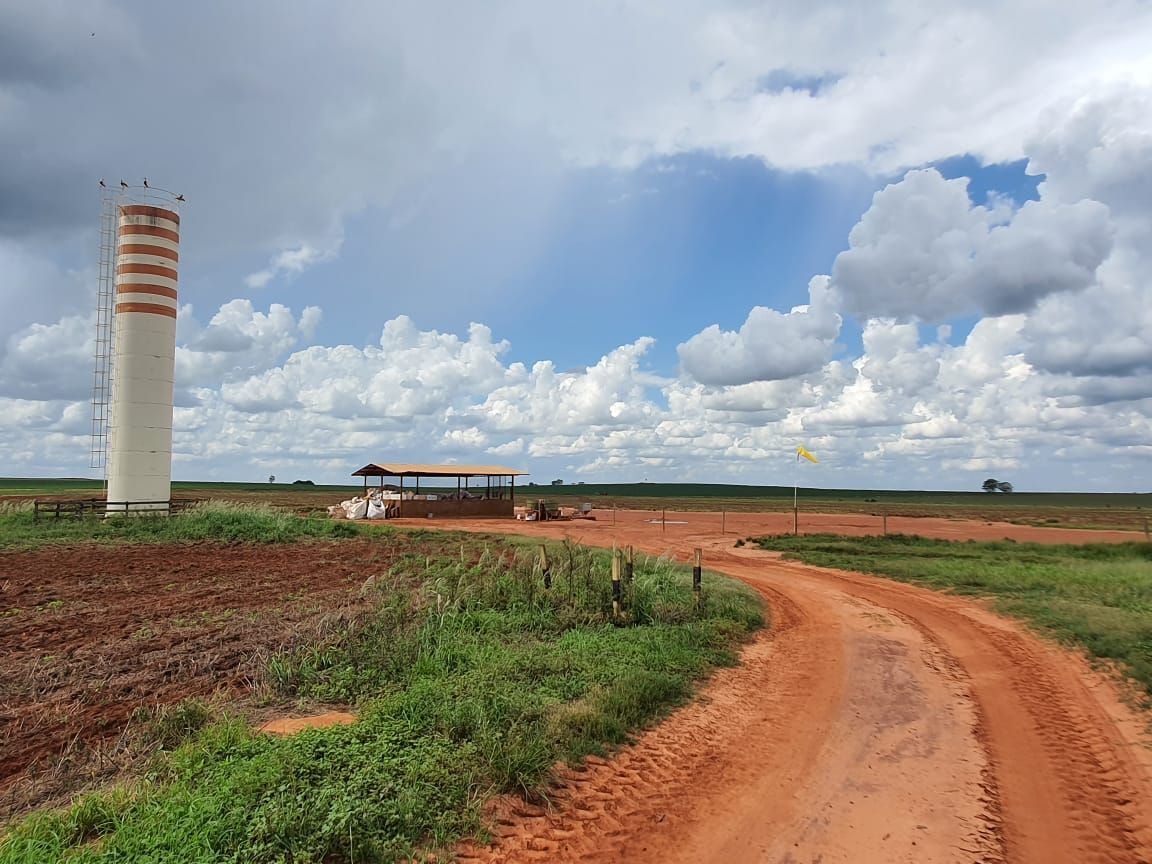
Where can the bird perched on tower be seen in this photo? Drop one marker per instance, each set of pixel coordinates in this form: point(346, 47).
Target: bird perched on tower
point(179, 197)
point(145, 182)
point(122, 183)
point(102, 186)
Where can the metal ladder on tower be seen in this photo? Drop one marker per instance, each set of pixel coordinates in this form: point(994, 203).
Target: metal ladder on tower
point(104, 348)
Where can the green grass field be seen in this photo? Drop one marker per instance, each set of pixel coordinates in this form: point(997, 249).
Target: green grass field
point(469, 679)
point(1096, 596)
point(213, 520)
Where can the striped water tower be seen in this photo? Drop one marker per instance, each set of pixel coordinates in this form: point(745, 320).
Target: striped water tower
point(140, 434)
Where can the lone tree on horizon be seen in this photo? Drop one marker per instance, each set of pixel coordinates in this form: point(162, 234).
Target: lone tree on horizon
point(994, 485)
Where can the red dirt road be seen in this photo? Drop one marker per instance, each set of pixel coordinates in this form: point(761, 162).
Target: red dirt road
point(874, 722)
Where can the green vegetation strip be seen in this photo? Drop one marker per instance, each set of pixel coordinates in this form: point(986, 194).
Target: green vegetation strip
point(469, 679)
point(1098, 596)
point(212, 520)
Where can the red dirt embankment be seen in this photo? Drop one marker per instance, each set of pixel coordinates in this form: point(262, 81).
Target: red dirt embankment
point(874, 722)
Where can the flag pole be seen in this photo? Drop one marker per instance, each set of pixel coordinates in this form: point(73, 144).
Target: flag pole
point(796, 496)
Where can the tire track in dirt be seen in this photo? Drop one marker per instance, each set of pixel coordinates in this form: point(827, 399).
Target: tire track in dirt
point(1075, 783)
point(997, 745)
point(828, 743)
point(621, 808)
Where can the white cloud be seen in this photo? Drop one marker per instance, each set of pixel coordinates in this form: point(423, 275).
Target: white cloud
point(769, 346)
point(916, 414)
point(894, 360)
point(238, 341)
point(391, 93)
point(35, 288)
point(291, 261)
point(50, 361)
point(1100, 146)
point(923, 250)
point(1052, 384)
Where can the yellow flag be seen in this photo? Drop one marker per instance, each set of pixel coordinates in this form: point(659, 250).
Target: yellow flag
point(800, 451)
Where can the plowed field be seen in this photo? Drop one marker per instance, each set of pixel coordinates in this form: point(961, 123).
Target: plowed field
point(88, 634)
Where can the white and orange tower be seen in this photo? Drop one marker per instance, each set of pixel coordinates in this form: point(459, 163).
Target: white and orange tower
point(139, 463)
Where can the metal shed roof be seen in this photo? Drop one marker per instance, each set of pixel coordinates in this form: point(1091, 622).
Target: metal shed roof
point(393, 469)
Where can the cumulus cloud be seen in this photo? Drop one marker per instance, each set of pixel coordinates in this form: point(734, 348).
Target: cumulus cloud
point(923, 411)
point(290, 261)
point(36, 288)
point(923, 250)
point(1107, 333)
point(609, 394)
point(378, 106)
point(238, 341)
point(410, 373)
point(1100, 146)
point(50, 361)
point(1048, 384)
point(770, 345)
point(894, 360)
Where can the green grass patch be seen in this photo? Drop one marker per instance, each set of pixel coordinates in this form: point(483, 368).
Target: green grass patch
point(211, 520)
point(469, 679)
point(1098, 595)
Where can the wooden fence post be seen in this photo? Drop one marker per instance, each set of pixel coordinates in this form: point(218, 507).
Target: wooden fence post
point(615, 585)
point(628, 565)
point(545, 567)
point(884, 516)
point(723, 514)
point(662, 522)
point(696, 580)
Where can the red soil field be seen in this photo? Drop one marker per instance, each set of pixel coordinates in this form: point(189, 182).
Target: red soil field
point(90, 633)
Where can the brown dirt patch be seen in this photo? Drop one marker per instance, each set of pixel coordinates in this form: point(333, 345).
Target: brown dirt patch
point(292, 725)
point(681, 524)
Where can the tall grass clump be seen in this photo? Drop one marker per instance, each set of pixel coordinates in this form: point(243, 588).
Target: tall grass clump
point(469, 678)
point(1098, 595)
point(211, 520)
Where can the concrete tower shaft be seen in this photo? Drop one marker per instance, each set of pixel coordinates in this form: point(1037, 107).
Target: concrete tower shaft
point(140, 441)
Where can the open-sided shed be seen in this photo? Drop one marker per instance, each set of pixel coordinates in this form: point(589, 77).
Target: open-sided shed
point(495, 498)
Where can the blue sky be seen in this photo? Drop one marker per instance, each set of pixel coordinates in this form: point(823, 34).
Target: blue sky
point(601, 242)
point(656, 250)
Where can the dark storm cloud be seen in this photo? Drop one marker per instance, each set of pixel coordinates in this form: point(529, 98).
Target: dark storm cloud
point(42, 47)
point(275, 131)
